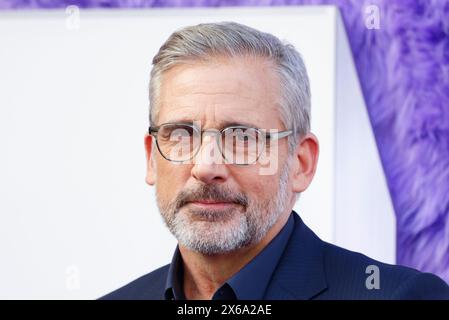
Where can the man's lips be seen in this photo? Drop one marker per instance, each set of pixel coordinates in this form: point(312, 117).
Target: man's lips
point(212, 204)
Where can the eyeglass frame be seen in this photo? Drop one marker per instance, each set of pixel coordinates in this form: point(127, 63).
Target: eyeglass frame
point(273, 136)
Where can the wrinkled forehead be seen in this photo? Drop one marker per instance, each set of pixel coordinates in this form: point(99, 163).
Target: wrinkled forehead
point(245, 91)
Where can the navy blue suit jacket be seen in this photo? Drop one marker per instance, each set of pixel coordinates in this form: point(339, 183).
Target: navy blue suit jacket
point(313, 269)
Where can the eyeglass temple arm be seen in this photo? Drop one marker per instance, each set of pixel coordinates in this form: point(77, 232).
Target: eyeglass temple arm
point(278, 135)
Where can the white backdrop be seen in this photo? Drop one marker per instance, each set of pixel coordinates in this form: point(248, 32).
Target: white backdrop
point(76, 217)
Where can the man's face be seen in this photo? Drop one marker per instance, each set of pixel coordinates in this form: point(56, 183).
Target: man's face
point(209, 206)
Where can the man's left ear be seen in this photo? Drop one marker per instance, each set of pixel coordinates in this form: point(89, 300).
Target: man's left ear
point(305, 162)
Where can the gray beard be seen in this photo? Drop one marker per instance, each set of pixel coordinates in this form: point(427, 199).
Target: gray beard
point(209, 233)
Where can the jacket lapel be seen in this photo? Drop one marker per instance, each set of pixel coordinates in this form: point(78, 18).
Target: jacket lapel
point(300, 272)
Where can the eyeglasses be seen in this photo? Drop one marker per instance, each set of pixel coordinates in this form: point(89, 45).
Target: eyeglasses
point(240, 145)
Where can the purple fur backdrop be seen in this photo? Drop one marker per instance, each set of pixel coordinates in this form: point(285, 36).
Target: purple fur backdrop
point(403, 68)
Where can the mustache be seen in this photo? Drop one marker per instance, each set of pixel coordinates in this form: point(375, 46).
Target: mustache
point(210, 192)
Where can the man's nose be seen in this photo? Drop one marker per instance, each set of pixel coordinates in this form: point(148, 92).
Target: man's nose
point(209, 164)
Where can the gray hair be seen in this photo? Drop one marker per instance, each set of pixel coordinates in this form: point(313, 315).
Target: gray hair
point(207, 41)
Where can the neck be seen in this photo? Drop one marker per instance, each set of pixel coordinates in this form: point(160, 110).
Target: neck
point(204, 274)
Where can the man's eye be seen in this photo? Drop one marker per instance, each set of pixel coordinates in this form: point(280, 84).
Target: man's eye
point(243, 137)
point(176, 132)
point(248, 135)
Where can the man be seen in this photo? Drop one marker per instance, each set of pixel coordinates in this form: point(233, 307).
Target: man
point(229, 150)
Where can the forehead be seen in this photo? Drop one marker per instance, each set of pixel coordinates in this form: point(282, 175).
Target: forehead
point(222, 90)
